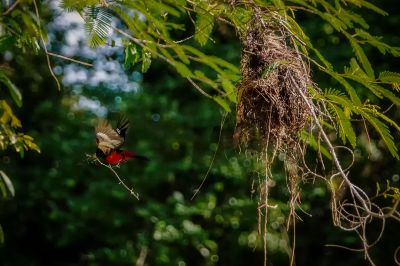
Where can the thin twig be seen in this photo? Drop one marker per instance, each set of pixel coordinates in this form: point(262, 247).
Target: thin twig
point(396, 259)
point(197, 190)
point(142, 256)
point(197, 87)
point(131, 191)
point(11, 8)
point(70, 59)
point(44, 47)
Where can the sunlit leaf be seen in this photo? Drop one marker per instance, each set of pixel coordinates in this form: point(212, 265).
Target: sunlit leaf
point(132, 55)
point(14, 91)
point(384, 132)
point(8, 183)
point(223, 103)
point(146, 61)
point(346, 130)
point(204, 23)
point(182, 69)
point(97, 25)
point(360, 54)
point(390, 77)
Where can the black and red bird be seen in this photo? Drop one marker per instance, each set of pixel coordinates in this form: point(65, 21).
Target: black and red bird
point(109, 142)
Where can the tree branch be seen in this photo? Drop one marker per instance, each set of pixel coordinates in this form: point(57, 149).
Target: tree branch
point(70, 59)
point(11, 8)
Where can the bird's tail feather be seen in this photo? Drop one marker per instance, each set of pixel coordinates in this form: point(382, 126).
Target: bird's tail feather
point(130, 155)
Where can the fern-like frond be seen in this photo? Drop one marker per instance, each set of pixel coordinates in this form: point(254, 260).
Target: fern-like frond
point(396, 86)
point(204, 23)
point(349, 18)
point(97, 25)
point(347, 86)
point(376, 42)
point(345, 128)
point(77, 5)
point(383, 131)
point(369, 5)
point(361, 57)
point(14, 91)
point(389, 77)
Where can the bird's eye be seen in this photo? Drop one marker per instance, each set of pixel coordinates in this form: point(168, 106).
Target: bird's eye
point(97, 141)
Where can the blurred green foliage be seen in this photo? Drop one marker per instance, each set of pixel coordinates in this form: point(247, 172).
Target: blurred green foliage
point(67, 211)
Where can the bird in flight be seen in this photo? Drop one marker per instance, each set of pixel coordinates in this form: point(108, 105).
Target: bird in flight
point(109, 142)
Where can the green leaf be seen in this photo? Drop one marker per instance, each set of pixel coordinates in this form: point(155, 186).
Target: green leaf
point(388, 94)
point(279, 5)
point(230, 89)
point(163, 8)
point(326, 63)
point(384, 132)
point(3, 190)
point(6, 42)
point(132, 55)
point(146, 61)
point(97, 25)
point(378, 189)
point(373, 7)
point(376, 42)
point(349, 16)
point(8, 115)
point(355, 73)
point(223, 103)
point(317, 146)
point(334, 21)
point(390, 121)
point(28, 141)
point(180, 52)
point(182, 69)
point(8, 183)
point(20, 149)
point(239, 16)
point(223, 63)
point(359, 52)
point(350, 90)
point(77, 5)
point(389, 77)
point(201, 76)
point(204, 23)
point(14, 91)
point(345, 128)
point(298, 31)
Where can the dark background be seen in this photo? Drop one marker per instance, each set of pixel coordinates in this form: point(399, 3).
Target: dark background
point(67, 211)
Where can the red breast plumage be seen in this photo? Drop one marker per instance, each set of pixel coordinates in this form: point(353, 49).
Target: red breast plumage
point(116, 157)
point(109, 141)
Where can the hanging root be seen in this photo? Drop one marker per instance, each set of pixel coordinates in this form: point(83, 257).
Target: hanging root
point(274, 105)
point(271, 112)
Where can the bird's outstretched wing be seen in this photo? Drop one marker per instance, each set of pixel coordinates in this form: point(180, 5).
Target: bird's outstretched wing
point(122, 126)
point(108, 139)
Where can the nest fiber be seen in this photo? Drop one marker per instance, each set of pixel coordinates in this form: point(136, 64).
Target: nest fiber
point(271, 109)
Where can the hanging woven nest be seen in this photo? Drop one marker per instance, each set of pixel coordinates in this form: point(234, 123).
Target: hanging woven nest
point(271, 109)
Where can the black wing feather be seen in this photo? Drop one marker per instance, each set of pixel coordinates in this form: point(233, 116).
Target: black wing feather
point(122, 126)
